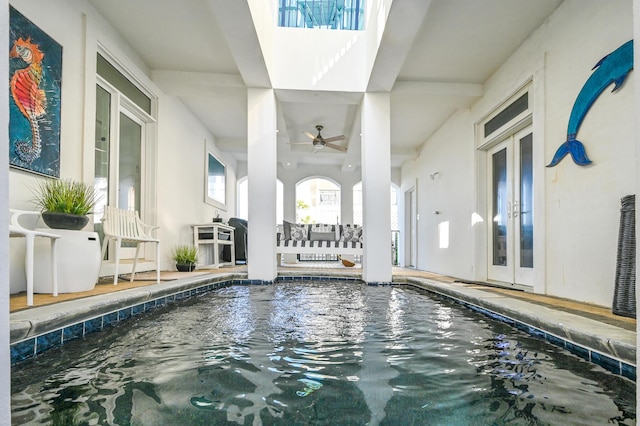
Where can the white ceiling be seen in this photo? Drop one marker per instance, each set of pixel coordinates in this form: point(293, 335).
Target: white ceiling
point(434, 57)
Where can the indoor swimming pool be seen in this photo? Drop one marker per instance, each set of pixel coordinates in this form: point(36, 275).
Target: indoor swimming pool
point(316, 352)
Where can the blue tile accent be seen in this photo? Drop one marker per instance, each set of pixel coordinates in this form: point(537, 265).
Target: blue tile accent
point(109, 319)
point(93, 325)
point(48, 341)
point(72, 332)
point(606, 362)
point(125, 313)
point(629, 371)
point(137, 309)
point(161, 302)
point(578, 350)
point(23, 350)
point(556, 340)
point(149, 305)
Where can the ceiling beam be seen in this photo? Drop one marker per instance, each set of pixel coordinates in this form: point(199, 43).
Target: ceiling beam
point(237, 26)
point(185, 83)
point(438, 88)
point(401, 28)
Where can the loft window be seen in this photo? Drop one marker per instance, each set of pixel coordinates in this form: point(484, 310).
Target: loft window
point(123, 84)
point(325, 14)
point(509, 113)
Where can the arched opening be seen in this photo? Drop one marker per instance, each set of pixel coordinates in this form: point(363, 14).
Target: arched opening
point(317, 201)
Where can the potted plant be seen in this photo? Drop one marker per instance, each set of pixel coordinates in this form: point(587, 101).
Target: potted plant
point(185, 257)
point(65, 203)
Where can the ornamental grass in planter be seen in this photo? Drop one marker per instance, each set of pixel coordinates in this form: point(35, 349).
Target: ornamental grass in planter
point(185, 257)
point(65, 203)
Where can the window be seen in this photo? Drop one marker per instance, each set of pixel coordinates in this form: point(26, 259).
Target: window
point(325, 14)
point(216, 182)
point(317, 201)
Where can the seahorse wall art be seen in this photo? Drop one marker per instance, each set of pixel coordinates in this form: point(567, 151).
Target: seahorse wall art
point(613, 68)
point(35, 69)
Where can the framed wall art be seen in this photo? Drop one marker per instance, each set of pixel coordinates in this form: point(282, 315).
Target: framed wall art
point(215, 182)
point(35, 77)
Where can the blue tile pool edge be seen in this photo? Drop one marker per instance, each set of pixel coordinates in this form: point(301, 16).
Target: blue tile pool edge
point(35, 345)
point(31, 346)
point(609, 363)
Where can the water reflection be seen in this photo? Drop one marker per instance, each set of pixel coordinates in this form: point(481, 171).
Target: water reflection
point(321, 352)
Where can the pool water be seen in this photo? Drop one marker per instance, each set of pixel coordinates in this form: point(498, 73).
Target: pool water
point(321, 353)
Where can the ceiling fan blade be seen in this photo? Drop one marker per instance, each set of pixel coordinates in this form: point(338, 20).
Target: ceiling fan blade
point(338, 147)
point(309, 135)
point(335, 138)
point(299, 143)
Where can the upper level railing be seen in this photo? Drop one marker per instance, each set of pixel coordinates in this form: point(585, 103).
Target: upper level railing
point(326, 14)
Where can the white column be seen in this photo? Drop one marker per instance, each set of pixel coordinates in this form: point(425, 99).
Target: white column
point(262, 173)
point(376, 181)
point(636, 61)
point(346, 202)
point(289, 200)
point(5, 354)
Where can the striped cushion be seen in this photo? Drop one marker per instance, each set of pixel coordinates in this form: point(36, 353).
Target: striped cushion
point(319, 244)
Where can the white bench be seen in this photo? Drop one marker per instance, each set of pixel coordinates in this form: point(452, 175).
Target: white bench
point(125, 226)
point(311, 246)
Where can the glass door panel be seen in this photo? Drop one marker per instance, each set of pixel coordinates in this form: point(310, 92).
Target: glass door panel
point(511, 210)
point(526, 202)
point(129, 162)
point(500, 207)
point(101, 156)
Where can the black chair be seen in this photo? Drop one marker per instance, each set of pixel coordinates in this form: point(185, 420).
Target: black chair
point(240, 241)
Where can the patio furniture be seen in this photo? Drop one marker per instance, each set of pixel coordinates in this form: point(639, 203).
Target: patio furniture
point(16, 229)
point(125, 226)
point(242, 230)
point(624, 298)
point(317, 238)
point(78, 254)
point(211, 239)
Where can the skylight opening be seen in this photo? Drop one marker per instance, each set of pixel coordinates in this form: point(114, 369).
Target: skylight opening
point(322, 14)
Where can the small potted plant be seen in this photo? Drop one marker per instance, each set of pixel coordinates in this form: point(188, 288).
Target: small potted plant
point(65, 203)
point(185, 257)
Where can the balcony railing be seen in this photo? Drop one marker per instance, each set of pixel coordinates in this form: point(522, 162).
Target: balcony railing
point(326, 14)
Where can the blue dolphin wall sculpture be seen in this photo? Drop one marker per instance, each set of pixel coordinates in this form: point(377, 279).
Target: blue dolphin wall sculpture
point(613, 68)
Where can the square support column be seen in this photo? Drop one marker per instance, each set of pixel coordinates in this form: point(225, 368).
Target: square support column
point(5, 353)
point(262, 174)
point(376, 186)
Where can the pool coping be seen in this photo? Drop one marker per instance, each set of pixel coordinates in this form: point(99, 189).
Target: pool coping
point(611, 347)
point(36, 330)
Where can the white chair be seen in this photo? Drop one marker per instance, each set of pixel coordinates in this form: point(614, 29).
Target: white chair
point(16, 229)
point(121, 226)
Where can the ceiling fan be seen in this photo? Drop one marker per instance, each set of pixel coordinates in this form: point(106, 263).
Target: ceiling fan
point(319, 142)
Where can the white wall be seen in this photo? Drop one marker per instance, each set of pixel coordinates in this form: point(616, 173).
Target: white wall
point(183, 145)
point(179, 185)
point(581, 204)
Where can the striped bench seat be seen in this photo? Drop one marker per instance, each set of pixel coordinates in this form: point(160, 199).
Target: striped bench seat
point(320, 239)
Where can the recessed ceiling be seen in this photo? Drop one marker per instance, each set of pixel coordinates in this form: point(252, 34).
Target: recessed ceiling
point(192, 46)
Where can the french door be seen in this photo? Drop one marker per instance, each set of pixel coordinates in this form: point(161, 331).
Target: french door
point(119, 149)
point(511, 185)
